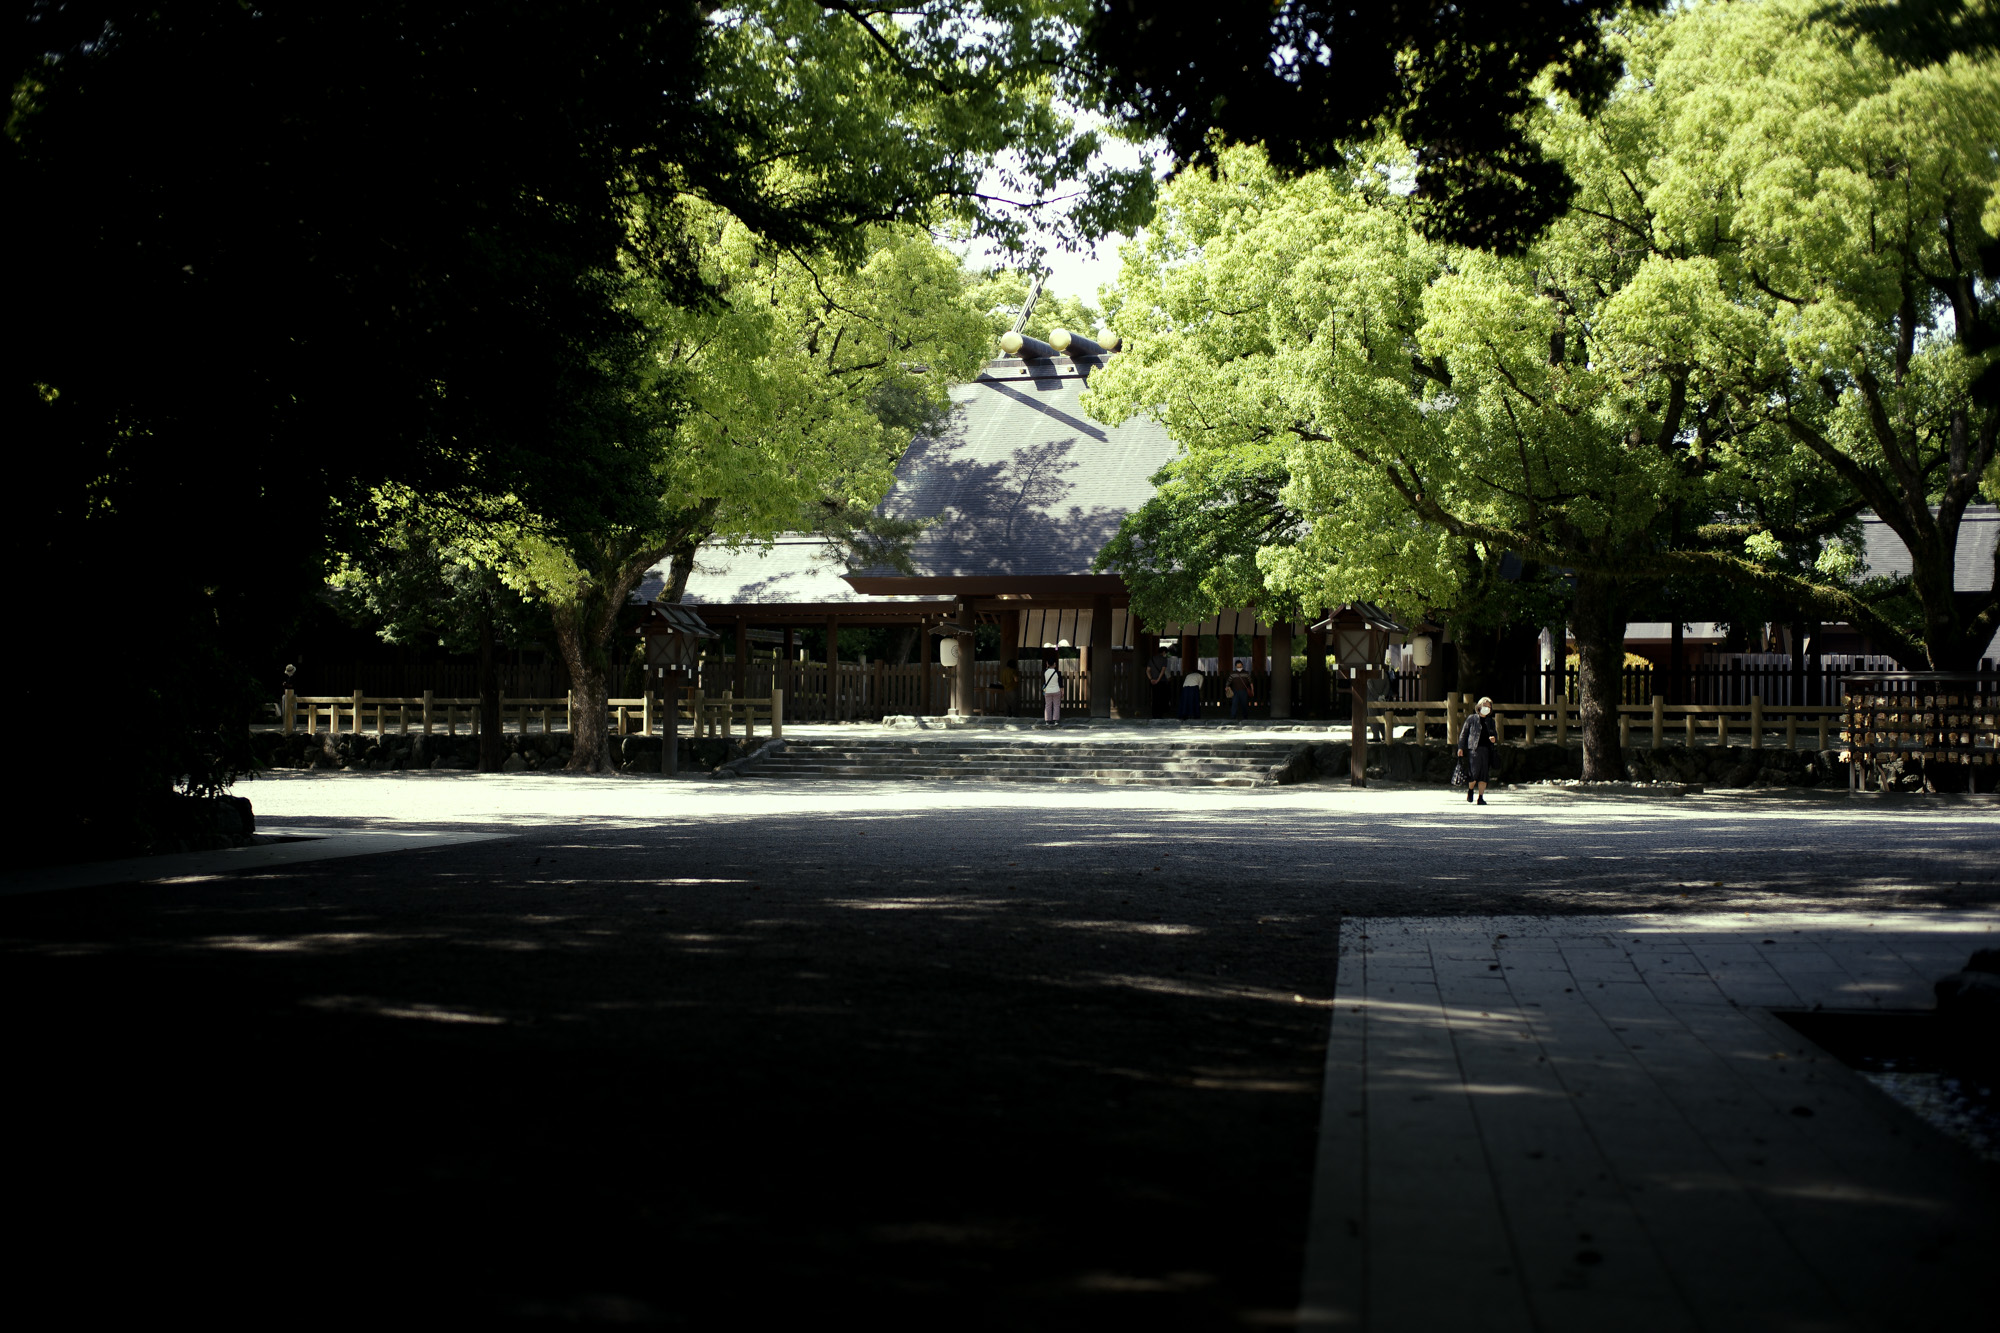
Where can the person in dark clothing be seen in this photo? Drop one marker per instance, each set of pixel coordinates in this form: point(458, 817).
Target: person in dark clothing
point(1241, 691)
point(1475, 749)
point(1164, 675)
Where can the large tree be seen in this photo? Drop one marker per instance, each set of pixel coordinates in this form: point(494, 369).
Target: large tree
point(1435, 406)
point(420, 575)
point(1818, 223)
point(1759, 319)
point(792, 396)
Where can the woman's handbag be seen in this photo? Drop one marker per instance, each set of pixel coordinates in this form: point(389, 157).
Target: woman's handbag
point(1459, 777)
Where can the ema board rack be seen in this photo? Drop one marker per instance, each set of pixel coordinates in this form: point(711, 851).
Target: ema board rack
point(1922, 730)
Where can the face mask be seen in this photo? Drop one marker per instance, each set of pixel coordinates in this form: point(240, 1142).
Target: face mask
point(1485, 712)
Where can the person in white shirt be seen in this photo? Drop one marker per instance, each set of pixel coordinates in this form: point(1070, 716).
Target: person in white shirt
point(1191, 695)
point(1052, 688)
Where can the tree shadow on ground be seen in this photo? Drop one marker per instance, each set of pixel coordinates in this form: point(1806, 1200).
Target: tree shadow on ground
point(967, 1068)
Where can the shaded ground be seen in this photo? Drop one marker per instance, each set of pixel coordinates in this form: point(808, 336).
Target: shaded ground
point(705, 1055)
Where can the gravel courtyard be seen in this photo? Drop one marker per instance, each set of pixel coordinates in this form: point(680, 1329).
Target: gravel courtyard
point(699, 1054)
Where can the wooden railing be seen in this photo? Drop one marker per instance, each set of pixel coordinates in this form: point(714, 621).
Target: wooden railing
point(717, 717)
point(1524, 724)
point(430, 714)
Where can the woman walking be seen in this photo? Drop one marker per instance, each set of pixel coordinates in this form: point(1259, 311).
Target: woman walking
point(1475, 750)
point(1052, 687)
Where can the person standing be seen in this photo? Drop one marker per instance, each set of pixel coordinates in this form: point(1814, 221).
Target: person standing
point(1052, 687)
point(1241, 691)
point(1160, 672)
point(1476, 740)
point(1191, 695)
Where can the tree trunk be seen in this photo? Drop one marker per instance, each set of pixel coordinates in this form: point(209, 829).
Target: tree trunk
point(681, 566)
point(590, 751)
point(492, 743)
point(1597, 619)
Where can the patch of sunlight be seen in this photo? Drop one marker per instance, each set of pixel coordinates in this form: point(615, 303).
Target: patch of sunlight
point(428, 1013)
point(1132, 927)
point(1128, 1282)
point(897, 904)
point(1195, 988)
point(1239, 1083)
point(294, 944)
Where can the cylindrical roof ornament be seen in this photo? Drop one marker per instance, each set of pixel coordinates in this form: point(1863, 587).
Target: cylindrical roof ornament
point(1015, 343)
point(1075, 344)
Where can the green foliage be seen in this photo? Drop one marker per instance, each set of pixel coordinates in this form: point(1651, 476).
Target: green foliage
point(1705, 369)
point(783, 405)
point(1192, 549)
point(410, 585)
point(1309, 80)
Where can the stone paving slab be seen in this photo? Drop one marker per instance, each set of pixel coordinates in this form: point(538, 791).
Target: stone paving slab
point(1591, 1123)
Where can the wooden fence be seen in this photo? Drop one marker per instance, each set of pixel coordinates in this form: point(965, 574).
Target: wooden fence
point(430, 714)
point(1690, 724)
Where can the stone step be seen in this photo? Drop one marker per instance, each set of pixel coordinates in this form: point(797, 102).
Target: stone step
point(1036, 756)
point(967, 760)
point(1012, 752)
point(1137, 761)
point(898, 774)
point(918, 771)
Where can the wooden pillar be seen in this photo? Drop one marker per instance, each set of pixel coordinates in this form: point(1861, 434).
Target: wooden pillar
point(1319, 702)
point(832, 669)
point(670, 743)
point(782, 677)
point(1145, 647)
point(1225, 654)
point(1190, 654)
point(1100, 656)
point(1256, 654)
point(961, 675)
point(1357, 770)
point(741, 676)
point(1135, 700)
point(1010, 656)
point(1281, 669)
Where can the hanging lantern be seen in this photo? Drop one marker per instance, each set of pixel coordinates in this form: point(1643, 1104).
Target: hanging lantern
point(673, 636)
point(1359, 635)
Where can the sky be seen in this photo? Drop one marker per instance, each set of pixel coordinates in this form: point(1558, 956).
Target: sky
point(1082, 273)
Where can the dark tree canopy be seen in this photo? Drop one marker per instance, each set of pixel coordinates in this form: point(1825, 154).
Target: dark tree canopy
point(264, 258)
point(1305, 78)
point(1925, 32)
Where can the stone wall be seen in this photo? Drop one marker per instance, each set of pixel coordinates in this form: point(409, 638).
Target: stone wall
point(1716, 766)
